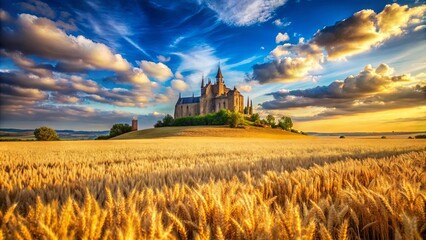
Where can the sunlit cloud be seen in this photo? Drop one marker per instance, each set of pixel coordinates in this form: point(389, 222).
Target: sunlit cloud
point(373, 89)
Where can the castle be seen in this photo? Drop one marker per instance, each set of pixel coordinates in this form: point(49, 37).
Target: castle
point(214, 97)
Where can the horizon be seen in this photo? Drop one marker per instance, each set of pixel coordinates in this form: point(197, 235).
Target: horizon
point(340, 67)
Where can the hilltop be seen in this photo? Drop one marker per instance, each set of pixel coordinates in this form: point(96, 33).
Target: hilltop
point(211, 131)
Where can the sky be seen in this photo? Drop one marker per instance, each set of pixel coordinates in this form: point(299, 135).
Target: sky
point(333, 66)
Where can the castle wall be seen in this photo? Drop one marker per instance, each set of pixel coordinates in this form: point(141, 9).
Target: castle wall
point(184, 110)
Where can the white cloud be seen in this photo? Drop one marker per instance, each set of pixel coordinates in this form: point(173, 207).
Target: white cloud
point(244, 12)
point(281, 37)
point(179, 85)
point(162, 58)
point(281, 22)
point(158, 71)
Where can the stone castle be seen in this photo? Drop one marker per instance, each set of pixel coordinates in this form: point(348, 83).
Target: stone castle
point(214, 97)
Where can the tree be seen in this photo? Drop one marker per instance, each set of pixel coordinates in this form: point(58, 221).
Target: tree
point(271, 120)
point(168, 120)
point(245, 110)
point(235, 119)
point(119, 128)
point(158, 124)
point(45, 134)
point(255, 117)
point(285, 123)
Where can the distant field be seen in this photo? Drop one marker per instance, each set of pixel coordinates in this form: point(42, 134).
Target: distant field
point(214, 188)
point(211, 131)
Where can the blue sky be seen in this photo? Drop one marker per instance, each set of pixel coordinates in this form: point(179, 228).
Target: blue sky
point(88, 64)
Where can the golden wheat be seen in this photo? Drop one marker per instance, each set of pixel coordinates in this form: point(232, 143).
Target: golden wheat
point(213, 189)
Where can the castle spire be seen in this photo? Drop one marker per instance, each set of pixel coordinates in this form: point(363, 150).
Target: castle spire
point(219, 76)
point(202, 81)
point(180, 96)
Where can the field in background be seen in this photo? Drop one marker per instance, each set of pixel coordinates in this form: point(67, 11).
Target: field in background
point(221, 188)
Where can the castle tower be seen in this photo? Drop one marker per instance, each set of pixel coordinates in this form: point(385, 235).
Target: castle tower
point(219, 82)
point(134, 124)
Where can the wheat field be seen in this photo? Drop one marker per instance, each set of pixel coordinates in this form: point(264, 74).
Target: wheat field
point(213, 188)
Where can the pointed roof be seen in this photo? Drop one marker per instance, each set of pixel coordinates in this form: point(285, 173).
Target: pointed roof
point(219, 73)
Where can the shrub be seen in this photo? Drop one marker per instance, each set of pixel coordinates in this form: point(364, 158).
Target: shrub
point(285, 123)
point(118, 129)
point(342, 137)
point(420, 136)
point(383, 137)
point(235, 120)
point(218, 118)
point(255, 117)
point(410, 137)
point(45, 134)
point(102, 137)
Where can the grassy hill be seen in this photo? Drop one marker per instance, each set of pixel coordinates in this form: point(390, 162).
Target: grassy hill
point(211, 131)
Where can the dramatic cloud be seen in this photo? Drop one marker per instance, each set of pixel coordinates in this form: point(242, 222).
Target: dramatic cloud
point(27, 64)
point(50, 42)
point(373, 89)
point(306, 57)
point(179, 85)
point(244, 12)
point(281, 37)
point(356, 34)
point(158, 71)
point(366, 29)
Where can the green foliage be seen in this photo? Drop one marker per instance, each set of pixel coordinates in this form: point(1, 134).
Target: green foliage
point(45, 134)
point(168, 120)
point(236, 119)
point(118, 129)
point(255, 117)
point(271, 120)
point(285, 123)
point(245, 110)
point(421, 136)
point(218, 118)
point(102, 137)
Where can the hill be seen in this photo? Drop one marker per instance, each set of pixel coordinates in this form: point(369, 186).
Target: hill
point(28, 134)
point(210, 131)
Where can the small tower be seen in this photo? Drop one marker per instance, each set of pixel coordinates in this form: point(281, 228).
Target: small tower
point(134, 124)
point(202, 81)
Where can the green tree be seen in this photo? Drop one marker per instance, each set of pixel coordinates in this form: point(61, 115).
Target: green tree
point(285, 123)
point(255, 117)
point(245, 110)
point(271, 120)
point(235, 119)
point(168, 120)
point(119, 128)
point(45, 134)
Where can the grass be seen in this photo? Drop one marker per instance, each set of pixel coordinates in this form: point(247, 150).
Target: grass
point(213, 188)
point(211, 131)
